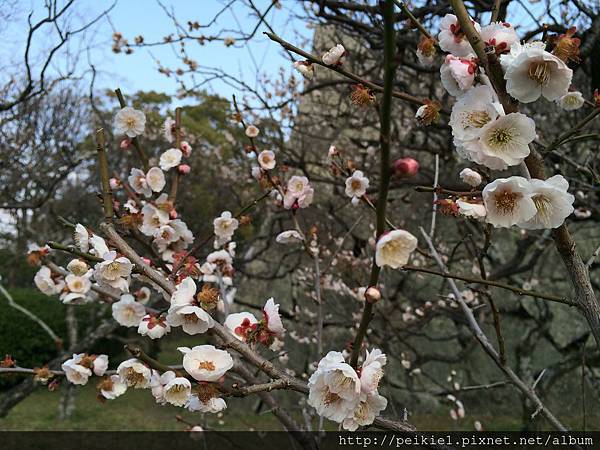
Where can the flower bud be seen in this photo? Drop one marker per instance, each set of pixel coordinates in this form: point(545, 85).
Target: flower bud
point(125, 144)
point(173, 214)
point(406, 167)
point(183, 169)
point(372, 295)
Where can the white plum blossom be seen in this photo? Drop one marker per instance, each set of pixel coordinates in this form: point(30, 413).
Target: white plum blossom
point(81, 237)
point(478, 107)
point(473, 210)
point(507, 139)
point(212, 405)
point(74, 371)
point(508, 201)
point(185, 312)
point(289, 237)
point(457, 75)
point(531, 72)
point(272, 318)
point(206, 362)
point(252, 131)
point(134, 373)
point(112, 387)
point(78, 267)
point(153, 327)
point(130, 122)
point(365, 412)
point(334, 56)
point(224, 227)
point(306, 69)
point(500, 35)
point(266, 159)
point(239, 323)
point(78, 287)
point(127, 312)
point(177, 391)
point(170, 158)
point(153, 219)
point(146, 183)
point(471, 177)
point(356, 186)
point(99, 247)
point(299, 193)
point(394, 248)
point(169, 129)
point(571, 101)
point(552, 201)
point(334, 388)
point(45, 283)
point(113, 271)
point(452, 39)
point(372, 371)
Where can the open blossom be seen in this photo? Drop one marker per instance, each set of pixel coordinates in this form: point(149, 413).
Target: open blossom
point(394, 248)
point(365, 412)
point(472, 112)
point(112, 387)
point(457, 74)
point(288, 237)
point(75, 372)
point(177, 390)
point(508, 201)
point(334, 388)
point(252, 131)
point(146, 183)
point(334, 56)
point(451, 37)
point(240, 324)
point(273, 321)
point(205, 362)
point(266, 159)
point(134, 373)
point(113, 271)
point(224, 227)
point(185, 312)
point(531, 72)
point(100, 365)
point(473, 210)
point(130, 122)
point(45, 283)
point(500, 35)
point(306, 69)
point(571, 101)
point(78, 286)
point(153, 327)
point(99, 247)
point(299, 193)
point(170, 159)
point(471, 177)
point(356, 185)
point(507, 138)
point(552, 201)
point(153, 219)
point(127, 311)
point(81, 237)
point(372, 371)
point(206, 405)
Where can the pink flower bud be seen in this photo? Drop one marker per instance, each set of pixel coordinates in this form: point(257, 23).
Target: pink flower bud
point(173, 214)
point(406, 167)
point(183, 169)
point(186, 149)
point(147, 260)
point(125, 144)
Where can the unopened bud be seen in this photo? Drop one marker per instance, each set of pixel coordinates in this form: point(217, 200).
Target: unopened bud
point(406, 167)
point(183, 169)
point(372, 295)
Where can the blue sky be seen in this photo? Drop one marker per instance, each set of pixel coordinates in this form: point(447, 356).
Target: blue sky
point(138, 71)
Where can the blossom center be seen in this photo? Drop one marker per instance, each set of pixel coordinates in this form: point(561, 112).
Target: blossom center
point(478, 119)
point(539, 72)
point(500, 137)
point(130, 122)
point(506, 201)
point(190, 318)
point(544, 208)
point(133, 378)
point(330, 398)
point(206, 365)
